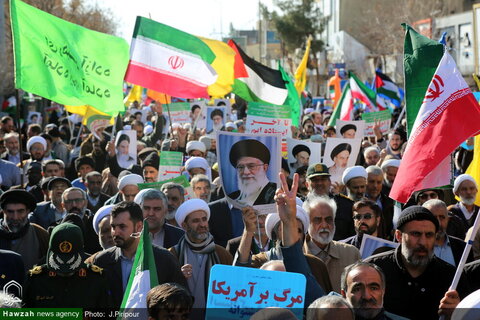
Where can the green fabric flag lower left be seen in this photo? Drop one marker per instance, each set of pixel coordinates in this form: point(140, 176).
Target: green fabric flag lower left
point(293, 100)
point(67, 63)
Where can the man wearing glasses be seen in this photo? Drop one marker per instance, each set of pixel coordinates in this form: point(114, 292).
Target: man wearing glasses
point(366, 218)
point(251, 159)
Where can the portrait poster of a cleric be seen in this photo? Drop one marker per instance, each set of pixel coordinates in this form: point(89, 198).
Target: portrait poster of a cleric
point(249, 166)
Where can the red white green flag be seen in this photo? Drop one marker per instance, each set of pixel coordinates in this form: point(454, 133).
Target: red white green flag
point(366, 95)
point(344, 109)
point(177, 63)
point(448, 116)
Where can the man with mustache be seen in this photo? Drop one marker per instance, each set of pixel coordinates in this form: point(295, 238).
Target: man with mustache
point(366, 218)
point(176, 196)
point(126, 220)
point(363, 285)
point(389, 168)
point(355, 180)
point(416, 280)
point(196, 250)
point(465, 188)
point(319, 241)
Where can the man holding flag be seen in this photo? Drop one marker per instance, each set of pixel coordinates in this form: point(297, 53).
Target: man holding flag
point(127, 223)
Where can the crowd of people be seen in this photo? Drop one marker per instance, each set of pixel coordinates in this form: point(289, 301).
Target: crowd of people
point(72, 212)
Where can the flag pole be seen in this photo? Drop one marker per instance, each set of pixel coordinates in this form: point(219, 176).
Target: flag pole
point(20, 149)
point(169, 116)
point(400, 117)
point(78, 136)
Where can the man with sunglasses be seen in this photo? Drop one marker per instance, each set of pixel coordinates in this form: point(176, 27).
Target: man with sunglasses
point(423, 196)
point(366, 218)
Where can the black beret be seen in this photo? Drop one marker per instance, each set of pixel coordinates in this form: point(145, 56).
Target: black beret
point(84, 160)
point(339, 148)
point(348, 127)
point(56, 179)
point(299, 148)
point(415, 213)
point(152, 160)
point(216, 112)
point(249, 148)
point(18, 196)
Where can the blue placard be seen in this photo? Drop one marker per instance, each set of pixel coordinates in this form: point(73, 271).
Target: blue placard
point(237, 292)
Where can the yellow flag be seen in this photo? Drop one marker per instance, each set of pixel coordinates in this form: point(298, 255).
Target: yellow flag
point(223, 65)
point(135, 94)
point(301, 73)
point(87, 112)
point(474, 167)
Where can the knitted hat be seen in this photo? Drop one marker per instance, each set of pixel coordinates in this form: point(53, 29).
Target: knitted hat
point(416, 213)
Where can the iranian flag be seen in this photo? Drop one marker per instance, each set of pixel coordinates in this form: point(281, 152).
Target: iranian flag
point(366, 95)
point(256, 82)
point(344, 109)
point(143, 276)
point(177, 63)
point(448, 115)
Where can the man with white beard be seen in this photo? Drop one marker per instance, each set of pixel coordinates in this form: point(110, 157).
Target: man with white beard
point(218, 122)
point(465, 188)
point(251, 159)
point(319, 241)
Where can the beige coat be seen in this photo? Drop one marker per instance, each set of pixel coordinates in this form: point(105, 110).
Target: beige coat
point(340, 255)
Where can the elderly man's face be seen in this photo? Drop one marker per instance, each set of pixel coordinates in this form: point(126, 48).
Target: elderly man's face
point(302, 158)
point(94, 185)
point(249, 169)
point(390, 173)
point(441, 213)
point(467, 191)
point(356, 188)
point(74, 202)
point(196, 153)
point(154, 210)
point(322, 224)
point(417, 239)
point(202, 190)
point(12, 145)
point(372, 158)
point(341, 159)
point(16, 216)
point(217, 120)
point(196, 226)
point(365, 291)
point(374, 185)
point(129, 192)
point(174, 197)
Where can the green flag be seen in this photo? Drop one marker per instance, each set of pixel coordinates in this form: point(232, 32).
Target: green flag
point(421, 59)
point(293, 100)
point(143, 276)
point(67, 63)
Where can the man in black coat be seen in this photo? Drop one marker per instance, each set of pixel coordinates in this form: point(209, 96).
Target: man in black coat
point(127, 222)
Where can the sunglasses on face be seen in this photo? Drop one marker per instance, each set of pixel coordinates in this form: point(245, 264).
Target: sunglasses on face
point(366, 216)
point(430, 195)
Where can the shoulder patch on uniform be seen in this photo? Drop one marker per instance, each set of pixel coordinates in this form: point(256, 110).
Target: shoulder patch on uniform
point(36, 270)
point(95, 268)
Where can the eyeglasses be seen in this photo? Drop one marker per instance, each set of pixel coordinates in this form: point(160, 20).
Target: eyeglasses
point(366, 216)
point(430, 195)
point(249, 166)
point(79, 200)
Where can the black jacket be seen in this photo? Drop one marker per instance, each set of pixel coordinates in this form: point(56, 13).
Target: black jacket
point(415, 298)
point(168, 270)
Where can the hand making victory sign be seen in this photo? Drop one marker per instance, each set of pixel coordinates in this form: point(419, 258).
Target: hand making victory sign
point(285, 199)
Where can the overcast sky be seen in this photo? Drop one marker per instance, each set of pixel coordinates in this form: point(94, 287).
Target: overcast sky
point(207, 18)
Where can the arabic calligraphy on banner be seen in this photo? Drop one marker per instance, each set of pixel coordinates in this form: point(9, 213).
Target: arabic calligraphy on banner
point(268, 119)
point(237, 292)
point(170, 165)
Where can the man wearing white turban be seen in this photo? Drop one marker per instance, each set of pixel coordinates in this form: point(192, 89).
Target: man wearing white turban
point(465, 188)
point(196, 250)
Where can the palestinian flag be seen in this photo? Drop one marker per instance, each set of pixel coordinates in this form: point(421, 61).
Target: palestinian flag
point(448, 115)
point(387, 89)
point(365, 95)
point(256, 82)
point(344, 109)
point(143, 276)
point(179, 64)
